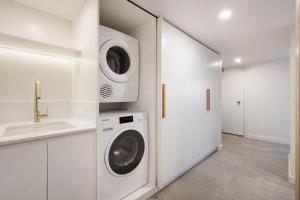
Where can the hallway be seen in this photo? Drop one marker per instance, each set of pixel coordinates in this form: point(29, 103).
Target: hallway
point(244, 169)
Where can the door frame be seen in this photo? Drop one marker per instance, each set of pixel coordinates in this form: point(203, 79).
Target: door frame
point(297, 142)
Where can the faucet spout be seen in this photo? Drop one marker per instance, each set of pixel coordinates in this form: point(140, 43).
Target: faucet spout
point(37, 96)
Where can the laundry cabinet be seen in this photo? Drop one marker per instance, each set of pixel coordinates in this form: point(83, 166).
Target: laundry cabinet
point(23, 171)
point(59, 168)
point(72, 167)
point(189, 114)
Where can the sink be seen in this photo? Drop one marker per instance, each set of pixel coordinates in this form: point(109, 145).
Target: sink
point(31, 128)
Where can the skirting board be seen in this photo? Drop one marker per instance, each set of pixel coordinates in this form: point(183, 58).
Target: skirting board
point(268, 139)
point(192, 166)
point(220, 147)
point(292, 178)
point(143, 193)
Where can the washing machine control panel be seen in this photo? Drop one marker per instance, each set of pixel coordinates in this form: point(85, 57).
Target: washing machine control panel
point(107, 123)
point(126, 119)
point(110, 123)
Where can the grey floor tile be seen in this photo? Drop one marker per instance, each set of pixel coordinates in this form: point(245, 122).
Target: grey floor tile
point(244, 169)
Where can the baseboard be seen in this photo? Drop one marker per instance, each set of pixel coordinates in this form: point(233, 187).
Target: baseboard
point(220, 147)
point(205, 156)
point(292, 180)
point(268, 139)
point(234, 134)
point(143, 193)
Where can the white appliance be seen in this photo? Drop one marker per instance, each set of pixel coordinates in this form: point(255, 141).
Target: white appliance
point(119, 63)
point(123, 154)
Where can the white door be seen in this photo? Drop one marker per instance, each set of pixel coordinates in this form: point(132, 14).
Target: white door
point(233, 101)
point(187, 70)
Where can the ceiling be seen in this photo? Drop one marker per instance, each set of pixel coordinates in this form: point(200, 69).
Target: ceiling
point(122, 15)
point(66, 9)
point(259, 30)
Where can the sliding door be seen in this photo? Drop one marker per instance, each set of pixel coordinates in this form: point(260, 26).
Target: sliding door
point(189, 104)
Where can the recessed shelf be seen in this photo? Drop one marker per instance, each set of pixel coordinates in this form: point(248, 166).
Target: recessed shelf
point(23, 44)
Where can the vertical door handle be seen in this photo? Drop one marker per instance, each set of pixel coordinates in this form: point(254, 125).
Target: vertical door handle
point(207, 99)
point(163, 89)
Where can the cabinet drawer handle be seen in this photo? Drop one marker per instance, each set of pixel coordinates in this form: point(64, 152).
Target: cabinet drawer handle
point(208, 100)
point(107, 129)
point(163, 100)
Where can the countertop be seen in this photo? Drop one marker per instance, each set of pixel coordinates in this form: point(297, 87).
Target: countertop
point(77, 126)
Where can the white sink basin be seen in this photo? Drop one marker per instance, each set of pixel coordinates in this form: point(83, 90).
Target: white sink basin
point(31, 128)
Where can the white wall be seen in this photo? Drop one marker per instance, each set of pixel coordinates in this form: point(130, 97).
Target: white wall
point(25, 22)
point(267, 114)
point(85, 39)
point(42, 49)
point(267, 100)
point(146, 34)
point(293, 107)
point(19, 70)
point(32, 33)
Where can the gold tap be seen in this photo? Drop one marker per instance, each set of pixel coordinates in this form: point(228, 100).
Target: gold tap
point(37, 97)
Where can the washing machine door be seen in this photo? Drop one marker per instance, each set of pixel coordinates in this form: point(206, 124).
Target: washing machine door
point(116, 60)
point(125, 152)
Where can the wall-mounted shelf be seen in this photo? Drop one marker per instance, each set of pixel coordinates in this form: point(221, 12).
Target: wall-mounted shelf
point(22, 44)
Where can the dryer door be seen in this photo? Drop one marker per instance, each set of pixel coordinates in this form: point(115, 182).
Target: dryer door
point(116, 60)
point(125, 152)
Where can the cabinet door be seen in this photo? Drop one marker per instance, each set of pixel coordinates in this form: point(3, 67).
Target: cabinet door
point(23, 171)
point(210, 119)
point(72, 167)
point(187, 69)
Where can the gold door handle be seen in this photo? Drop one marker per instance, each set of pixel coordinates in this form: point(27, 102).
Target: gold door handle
point(163, 100)
point(207, 99)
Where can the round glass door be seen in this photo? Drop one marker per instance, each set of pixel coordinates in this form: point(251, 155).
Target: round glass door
point(126, 152)
point(118, 60)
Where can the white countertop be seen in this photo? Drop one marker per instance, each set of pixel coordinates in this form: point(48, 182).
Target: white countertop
point(73, 126)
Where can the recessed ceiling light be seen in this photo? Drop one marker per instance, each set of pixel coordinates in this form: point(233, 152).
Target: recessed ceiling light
point(225, 14)
point(238, 60)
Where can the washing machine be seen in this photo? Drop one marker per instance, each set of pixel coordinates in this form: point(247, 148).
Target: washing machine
point(123, 151)
point(119, 64)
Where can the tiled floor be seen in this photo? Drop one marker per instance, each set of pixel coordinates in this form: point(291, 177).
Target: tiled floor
point(244, 169)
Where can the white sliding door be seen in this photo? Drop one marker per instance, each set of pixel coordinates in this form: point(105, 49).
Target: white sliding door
point(188, 132)
point(233, 101)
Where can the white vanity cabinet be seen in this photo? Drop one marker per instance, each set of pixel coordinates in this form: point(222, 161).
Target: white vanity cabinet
point(23, 171)
point(72, 167)
point(59, 168)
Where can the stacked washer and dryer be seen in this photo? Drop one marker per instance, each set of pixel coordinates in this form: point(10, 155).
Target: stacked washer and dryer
point(123, 136)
